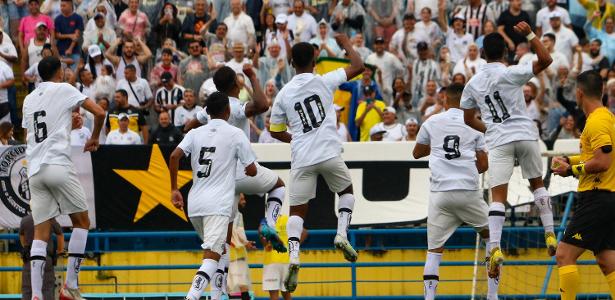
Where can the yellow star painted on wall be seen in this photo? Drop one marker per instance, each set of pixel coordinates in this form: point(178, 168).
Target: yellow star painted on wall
point(155, 185)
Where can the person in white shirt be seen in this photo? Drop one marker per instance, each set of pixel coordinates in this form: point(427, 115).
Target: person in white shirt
point(306, 104)
point(342, 130)
point(543, 22)
point(239, 60)
point(471, 63)
point(79, 135)
point(139, 92)
point(302, 23)
point(283, 35)
point(404, 40)
point(8, 53)
point(457, 40)
point(412, 129)
point(123, 135)
point(240, 26)
point(565, 39)
point(54, 185)
point(393, 131)
point(217, 150)
point(388, 64)
point(497, 92)
point(186, 112)
point(457, 155)
point(429, 28)
point(7, 80)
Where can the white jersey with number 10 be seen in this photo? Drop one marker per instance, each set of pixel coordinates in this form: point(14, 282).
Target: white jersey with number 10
point(497, 90)
point(306, 104)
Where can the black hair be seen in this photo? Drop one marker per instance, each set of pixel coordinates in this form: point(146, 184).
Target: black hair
point(549, 35)
point(410, 17)
point(130, 67)
point(454, 91)
point(123, 92)
point(303, 54)
point(48, 67)
point(225, 79)
point(496, 46)
point(599, 41)
point(216, 103)
point(591, 83)
point(166, 51)
point(80, 72)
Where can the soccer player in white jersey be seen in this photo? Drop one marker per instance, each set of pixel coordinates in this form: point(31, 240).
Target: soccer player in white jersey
point(216, 150)
point(54, 185)
point(497, 92)
point(306, 104)
point(265, 182)
point(457, 155)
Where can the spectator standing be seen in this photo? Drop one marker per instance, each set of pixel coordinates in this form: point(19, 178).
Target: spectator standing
point(607, 37)
point(475, 14)
point(369, 113)
point(7, 80)
point(565, 39)
point(195, 25)
point(273, 66)
point(129, 56)
point(195, 69)
point(105, 83)
point(104, 8)
point(605, 7)
point(8, 52)
point(320, 8)
point(402, 100)
point(301, 22)
point(393, 131)
point(240, 26)
point(457, 40)
point(51, 8)
point(31, 74)
point(85, 83)
point(139, 92)
point(488, 28)
point(169, 96)
point(239, 59)
point(404, 41)
point(342, 130)
point(133, 23)
point(17, 10)
point(168, 26)
point(507, 21)
point(429, 28)
point(423, 70)
point(358, 43)
point(165, 133)
point(384, 13)
point(283, 35)
point(218, 45)
point(348, 17)
point(543, 23)
point(327, 45)
point(416, 7)
point(187, 111)
point(100, 35)
point(122, 135)
point(471, 63)
point(28, 24)
point(69, 28)
point(165, 66)
point(599, 62)
point(32, 53)
point(412, 129)
point(495, 8)
point(388, 64)
point(79, 134)
point(96, 61)
point(135, 119)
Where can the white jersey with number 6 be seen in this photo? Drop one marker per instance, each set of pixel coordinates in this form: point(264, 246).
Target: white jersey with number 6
point(216, 150)
point(306, 104)
point(47, 119)
point(452, 160)
point(497, 90)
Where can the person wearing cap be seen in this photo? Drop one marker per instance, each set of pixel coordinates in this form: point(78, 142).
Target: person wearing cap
point(169, 96)
point(136, 121)
point(327, 45)
point(165, 65)
point(412, 129)
point(376, 134)
point(34, 45)
point(342, 130)
point(457, 40)
point(369, 112)
point(388, 65)
point(565, 39)
point(348, 17)
point(423, 70)
point(404, 40)
point(284, 36)
point(507, 21)
point(196, 24)
point(100, 34)
point(543, 23)
point(28, 24)
point(471, 63)
point(240, 26)
point(69, 28)
point(122, 135)
point(96, 62)
point(393, 131)
point(273, 66)
point(598, 11)
point(302, 23)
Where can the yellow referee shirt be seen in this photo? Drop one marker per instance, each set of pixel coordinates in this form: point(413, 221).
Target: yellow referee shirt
point(272, 256)
point(599, 131)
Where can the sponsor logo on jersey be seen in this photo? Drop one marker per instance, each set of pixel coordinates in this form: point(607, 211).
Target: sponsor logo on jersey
point(14, 188)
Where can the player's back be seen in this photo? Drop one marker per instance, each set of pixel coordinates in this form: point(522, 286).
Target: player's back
point(47, 119)
point(453, 151)
point(215, 150)
point(237, 118)
point(306, 104)
point(497, 90)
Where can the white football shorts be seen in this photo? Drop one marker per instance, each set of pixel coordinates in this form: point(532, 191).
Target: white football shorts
point(212, 231)
point(502, 161)
point(273, 277)
point(303, 180)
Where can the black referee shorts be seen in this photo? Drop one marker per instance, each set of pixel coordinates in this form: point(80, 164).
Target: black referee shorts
point(592, 226)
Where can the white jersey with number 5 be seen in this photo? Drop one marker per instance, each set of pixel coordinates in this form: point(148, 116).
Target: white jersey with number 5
point(306, 104)
point(452, 160)
point(497, 90)
point(47, 118)
point(216, 150)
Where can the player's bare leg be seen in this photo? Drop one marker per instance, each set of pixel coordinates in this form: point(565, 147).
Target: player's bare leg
point(218, 281)
point(569, 278)
point(345, 207)
point(497, 216)
point(76, 250)
point(294, 228)
point(606, 262)
point(543, 202)
point(272, 210)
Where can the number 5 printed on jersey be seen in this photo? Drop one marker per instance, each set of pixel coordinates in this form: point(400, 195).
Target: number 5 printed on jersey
point(494, 112)
point(205, 161)
point(301, 110)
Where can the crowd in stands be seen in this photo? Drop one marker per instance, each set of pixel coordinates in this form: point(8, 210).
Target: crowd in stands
point(149, 63)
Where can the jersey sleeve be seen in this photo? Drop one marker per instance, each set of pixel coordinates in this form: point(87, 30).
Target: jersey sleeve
point(278, 116)
point(186, 143)
point(520, 74)
point(599, 133)
point(423, 135)
point(334, 79)
point(72, 96)
point(467, 99)
point(202, 116)
point(244, 151)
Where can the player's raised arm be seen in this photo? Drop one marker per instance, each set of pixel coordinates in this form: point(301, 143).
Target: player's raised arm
point(544, 58)
point(356, 63)
point(99, 119)
point(176, 196)
point(259, 104)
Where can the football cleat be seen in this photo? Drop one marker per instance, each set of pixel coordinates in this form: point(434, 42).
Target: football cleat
point(343, 244)
point(292, 278)
point(496, 259)
point(551, 242)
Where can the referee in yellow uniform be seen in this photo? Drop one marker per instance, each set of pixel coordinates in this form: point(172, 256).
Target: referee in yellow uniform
point(593, 225)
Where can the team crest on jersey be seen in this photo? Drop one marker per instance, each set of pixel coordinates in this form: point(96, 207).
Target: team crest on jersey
point(14, 189)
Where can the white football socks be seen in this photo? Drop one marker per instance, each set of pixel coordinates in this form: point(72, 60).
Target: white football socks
point(497, 215)
point(543, 202)
point(294, 228)
point(38, 258)
point(431, 274)
point(344, 208)
point(274, 205)
point(76, 248)
point(202, 278)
